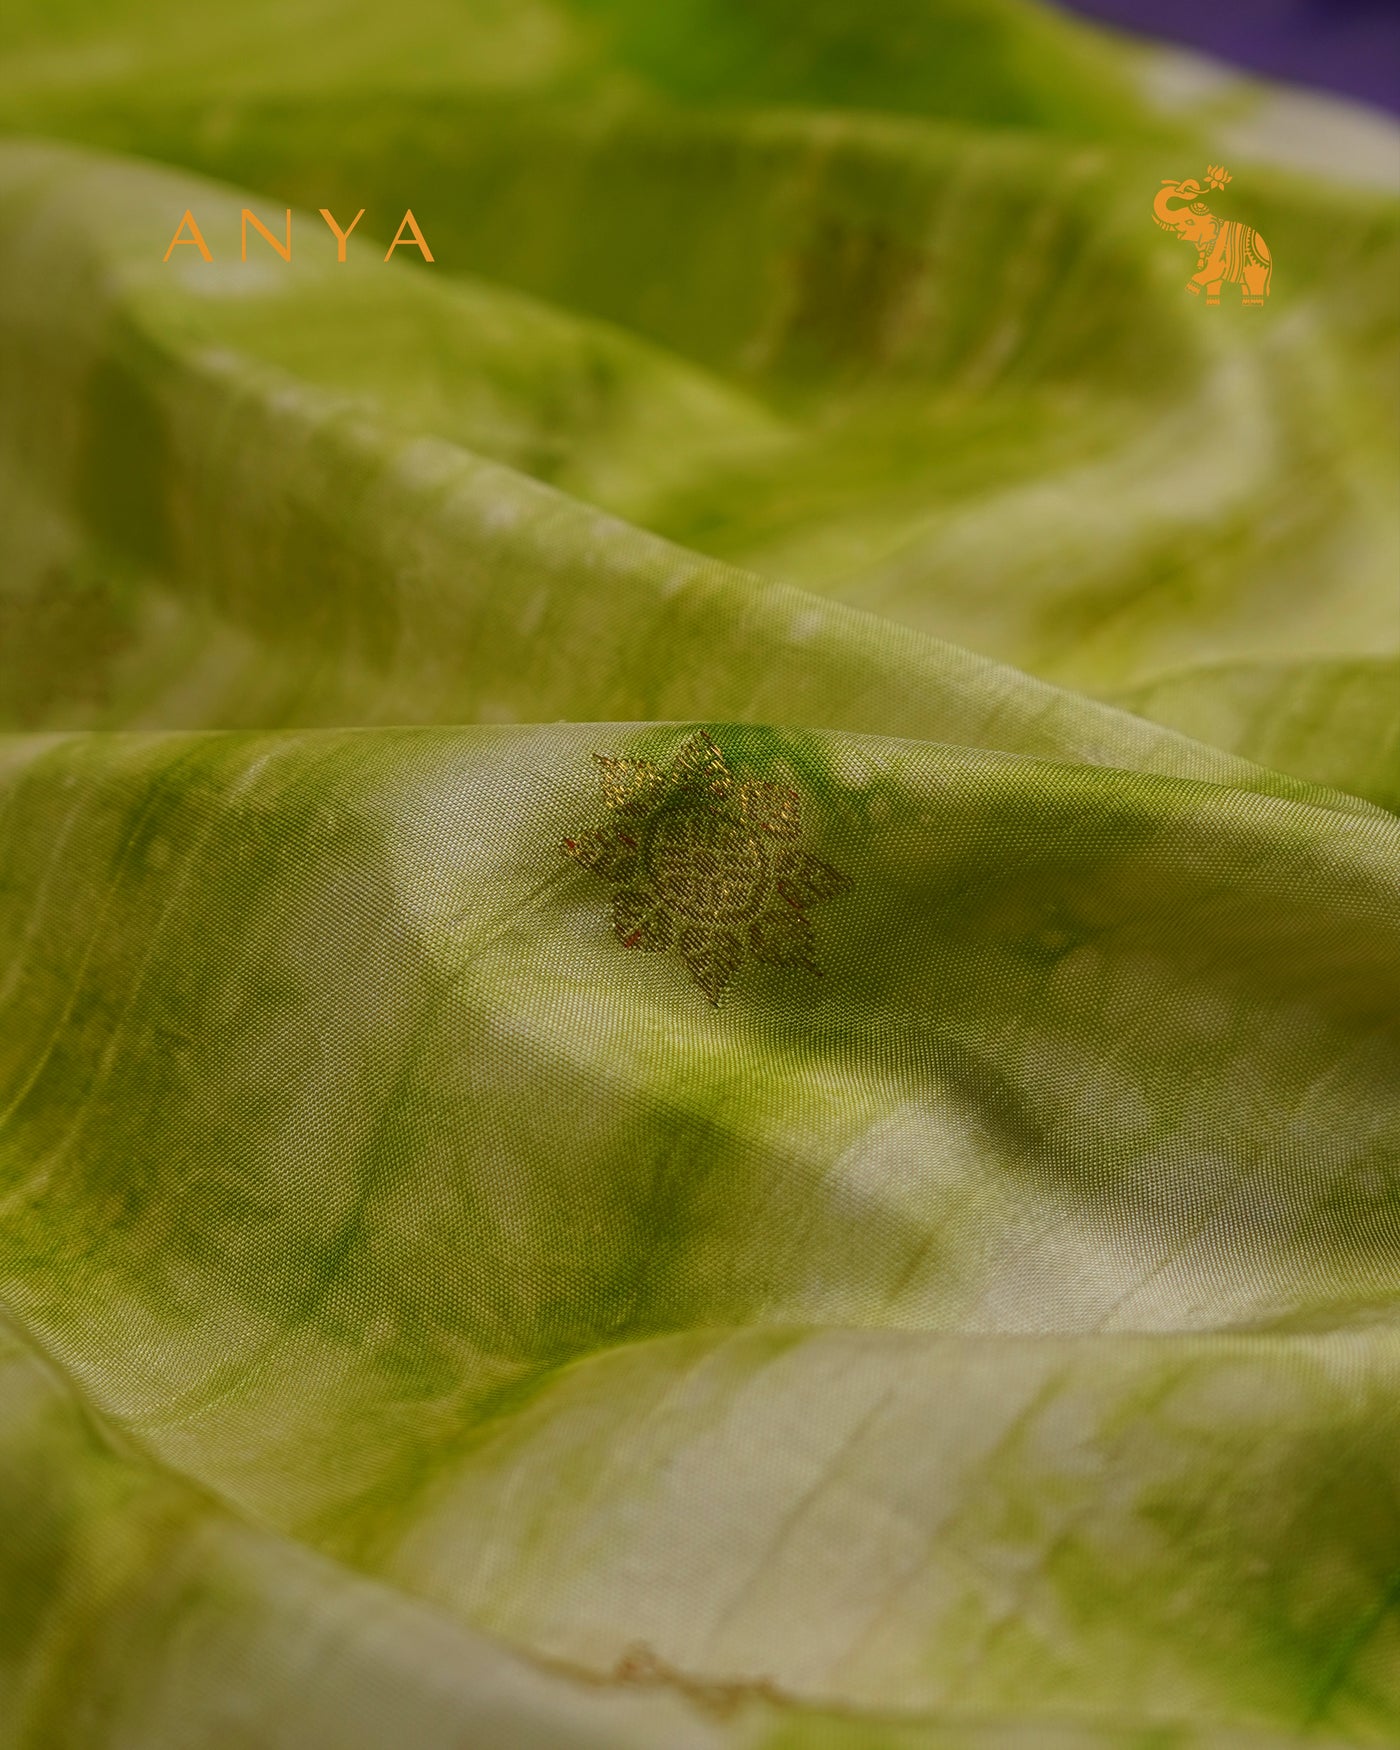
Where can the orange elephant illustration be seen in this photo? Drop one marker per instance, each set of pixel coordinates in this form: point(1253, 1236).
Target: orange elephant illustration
point(1226, 249)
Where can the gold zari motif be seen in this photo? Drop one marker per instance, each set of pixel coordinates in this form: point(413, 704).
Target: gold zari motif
point(706, 865)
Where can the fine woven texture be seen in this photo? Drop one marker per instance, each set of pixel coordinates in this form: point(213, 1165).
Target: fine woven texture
point(699, 936)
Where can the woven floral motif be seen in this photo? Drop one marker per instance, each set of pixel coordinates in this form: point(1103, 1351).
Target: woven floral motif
point(704, 864)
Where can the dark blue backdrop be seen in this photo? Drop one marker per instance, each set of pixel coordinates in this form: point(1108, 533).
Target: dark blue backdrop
point(1351, 46)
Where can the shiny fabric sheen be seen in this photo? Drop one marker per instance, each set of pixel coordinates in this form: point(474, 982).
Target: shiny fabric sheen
point(699, 937)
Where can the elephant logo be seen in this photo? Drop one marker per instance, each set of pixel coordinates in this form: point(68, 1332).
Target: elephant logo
point(1226, 249)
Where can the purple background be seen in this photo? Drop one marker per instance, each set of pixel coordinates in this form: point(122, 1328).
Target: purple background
point(1351, 46)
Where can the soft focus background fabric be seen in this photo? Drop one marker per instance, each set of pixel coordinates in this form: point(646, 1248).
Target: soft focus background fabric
point(1350, 46)
point(426, 1322)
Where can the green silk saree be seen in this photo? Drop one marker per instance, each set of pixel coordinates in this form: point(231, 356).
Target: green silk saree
point(699, 907)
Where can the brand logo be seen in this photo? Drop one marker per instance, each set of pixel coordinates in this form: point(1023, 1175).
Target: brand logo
point(187, 232)
point(1227, 251)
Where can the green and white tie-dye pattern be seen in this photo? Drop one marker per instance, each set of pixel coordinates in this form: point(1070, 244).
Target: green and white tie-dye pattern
point(425, 1322)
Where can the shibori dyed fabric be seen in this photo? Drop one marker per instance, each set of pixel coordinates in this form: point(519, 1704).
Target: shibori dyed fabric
point(699, 935)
